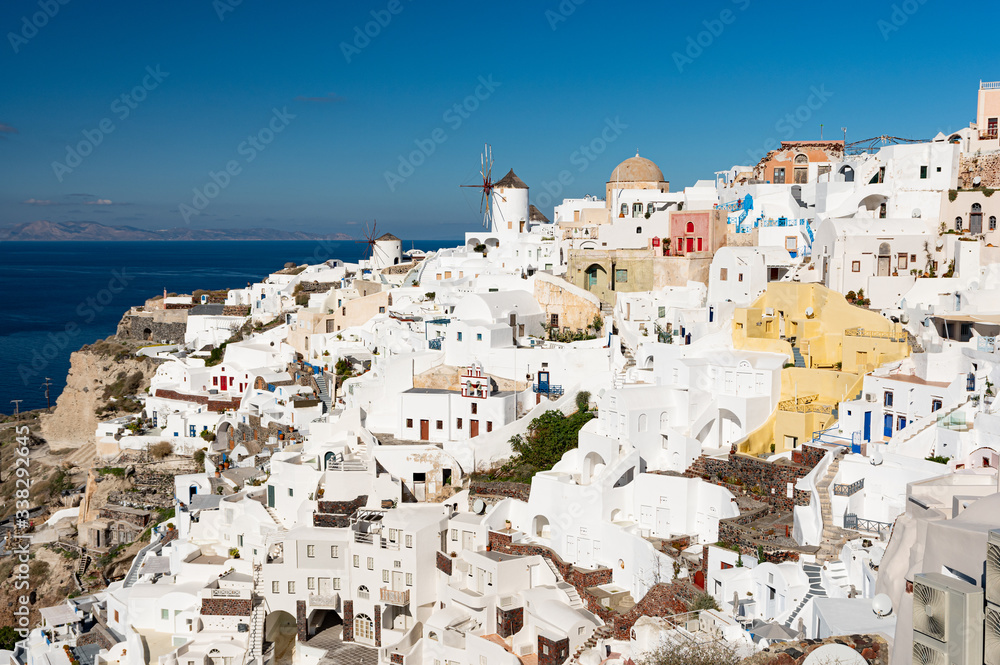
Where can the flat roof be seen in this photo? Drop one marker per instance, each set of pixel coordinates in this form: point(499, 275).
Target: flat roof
point(60, 615)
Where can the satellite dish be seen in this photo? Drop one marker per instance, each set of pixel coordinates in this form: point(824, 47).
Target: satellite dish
point(903, 318)
point(479, 506)
point(809, 312)
point(916, 213)
point(882, 605)
point(977, 181)
point(876, 457)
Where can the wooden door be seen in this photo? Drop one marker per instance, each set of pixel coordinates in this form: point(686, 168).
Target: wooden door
point(473, 428)
point(425, 430)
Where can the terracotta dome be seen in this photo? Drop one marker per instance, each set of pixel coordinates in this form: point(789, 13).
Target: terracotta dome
point(637, 169)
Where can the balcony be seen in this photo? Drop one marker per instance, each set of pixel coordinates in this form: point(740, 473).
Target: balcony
point(331, 601)
point(396, 598)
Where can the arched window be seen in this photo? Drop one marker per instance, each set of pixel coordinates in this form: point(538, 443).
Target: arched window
point(624, 209)
point(958, 223)
point(363, 592)
point(993, 223)
point(976, 207)
point(690, 227)
point(643, 420)
point(363, 627)
point(801, 159)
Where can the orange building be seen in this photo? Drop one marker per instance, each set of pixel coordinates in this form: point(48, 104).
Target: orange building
point(799, 162)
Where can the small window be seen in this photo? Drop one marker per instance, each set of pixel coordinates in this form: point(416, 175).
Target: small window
point(779, 176)
point(741, 277)
point(958, 223)
point(371, 563)
point(479, 337)
point(440, 424)
point(459, 337)
point(291, 587)
point(357, 561)
point(881, 210)
point(458, 423)
point(275, 587)
point(409, 540)
point(902, 262)
point(385, 575)
point(334, 551)
point(409, 579)
point(723, 274)
point(311, 583)
point(164, 614)
point(409, 423)
point(311, 551)
point(935, 405)
point(336, 584)
point(291, 492)
point(621, 276)
point(475, 408)
point(855, 266)
point(489, 425)
point(638, 229)
point(454, 534)
point(887, 399)
point(923, 172)
point(381, 310)
point(993, 223)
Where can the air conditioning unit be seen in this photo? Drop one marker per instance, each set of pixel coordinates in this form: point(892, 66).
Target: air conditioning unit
point(991, 642)
point(947, 620)
point(993, 568)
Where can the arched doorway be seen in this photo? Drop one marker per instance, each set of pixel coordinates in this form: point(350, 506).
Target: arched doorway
point(884, 259)
point(593, 464)
point(540, 526)
point(281, 630)
point(364, 629)
point(596, 277)
point(328, 460)
point(224, 437)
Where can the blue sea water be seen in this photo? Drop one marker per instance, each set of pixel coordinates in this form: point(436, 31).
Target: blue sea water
point(59, 296)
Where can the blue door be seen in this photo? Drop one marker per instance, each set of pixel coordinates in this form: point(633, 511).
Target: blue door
point(868, 425)
point(887, 425)
point(901, 423)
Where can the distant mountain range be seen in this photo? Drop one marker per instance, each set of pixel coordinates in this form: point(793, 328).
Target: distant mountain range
point(51, 231)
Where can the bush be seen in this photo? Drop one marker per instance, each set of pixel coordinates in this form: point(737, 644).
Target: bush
point(694, 653)
point(112, 471)
point(548, 437)
point(940, 459)
point(199, 458)
point(208, 435)
point(234, 553)
point(161, 449)
point(583, 400)
point(704, 601)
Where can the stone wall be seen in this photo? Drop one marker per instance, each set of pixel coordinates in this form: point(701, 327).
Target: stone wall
point(519, 491)
point(377, 620)
point(987, 167)
point(227, 607)
point(770, 480)
point(301, 622)
point(348, 635)
point(134, 326)
point(337, 514)
point(216, 405)
point(509, 622)
point(552, 652)
point(444, 563)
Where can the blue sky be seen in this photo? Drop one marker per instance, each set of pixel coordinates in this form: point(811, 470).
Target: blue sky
point(310, 118)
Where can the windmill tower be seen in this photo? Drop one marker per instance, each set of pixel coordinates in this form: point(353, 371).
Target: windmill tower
point(504, 203)
point(382, 251)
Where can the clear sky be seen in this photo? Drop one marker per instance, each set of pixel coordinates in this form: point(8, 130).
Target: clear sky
point(117, 112)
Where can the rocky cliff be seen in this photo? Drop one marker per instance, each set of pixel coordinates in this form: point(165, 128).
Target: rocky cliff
point(97, 372)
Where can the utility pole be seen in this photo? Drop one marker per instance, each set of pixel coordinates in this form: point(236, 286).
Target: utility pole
point(47, 385)
point(17, 404)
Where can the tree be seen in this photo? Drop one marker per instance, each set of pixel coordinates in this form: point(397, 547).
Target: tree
point(161, 449)
point(704, 601)
point(199, 457)
point(694, 653)
point(583, 400)
point(8, 636)
point(548, 437)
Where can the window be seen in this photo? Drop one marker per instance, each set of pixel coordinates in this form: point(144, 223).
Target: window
point(475, 408)
point(637, 210)
point(381, 310)
point(902, 262)
point(335, 551)
point(800, 175)
point(958, 223)
point(440, 424)
point(164, 614)
point(275, 587)
point(311, 551)
point(357, 561)
point(723, 274)
point(801, 159)
point(336, 584)
point(993, 227)
point(554, 320)
point(479, 337)
point(779, 176)
point(855, 266)
point(881, 210)
point(741, 277)
point(624, 209)
point(291, 492)
point(371, 563)
point(409, 579)
point(458, 423)
point(454, 534)
point(459, 337)
point(887, 399)
point(311, 583)
point(935, 405)
point(923, 172)
point(409, 423)
point(409, 540)
point(116, 615)
point(489, 425)
point(385, 575)
point(291, 587)
point(621, 275)
point(638, 229)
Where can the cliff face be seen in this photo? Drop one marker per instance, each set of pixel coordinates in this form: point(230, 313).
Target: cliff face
point(92, 369)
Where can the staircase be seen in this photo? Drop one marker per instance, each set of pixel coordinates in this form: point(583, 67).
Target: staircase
point(816, 590)
point(833, 537)
point(797, 356)
point(601, 633)
point(575, 601)
point(256, 638)
point(273, 514)
point(81, 568)
point(324, 393)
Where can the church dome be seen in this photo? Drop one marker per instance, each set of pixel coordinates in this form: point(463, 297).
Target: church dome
point(637, 169)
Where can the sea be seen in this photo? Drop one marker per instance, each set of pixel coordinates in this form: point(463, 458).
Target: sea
point(59, 296)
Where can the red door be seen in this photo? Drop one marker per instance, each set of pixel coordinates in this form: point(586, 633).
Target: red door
point(473, 428)
point(690, 244)
point(222, 381)
point(425, 430)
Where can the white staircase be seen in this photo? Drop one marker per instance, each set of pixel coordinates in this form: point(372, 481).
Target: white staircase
point(816, 590)
point(256, 639)
point(574, 596)
point(833, 537)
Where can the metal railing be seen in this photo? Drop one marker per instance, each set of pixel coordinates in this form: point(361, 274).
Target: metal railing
point(875, 334)
point(375, 539)
point(547, 389)
point(434, 344)
point(852, 521)
point(391, 597)
point(847, 490)
point(987, 344)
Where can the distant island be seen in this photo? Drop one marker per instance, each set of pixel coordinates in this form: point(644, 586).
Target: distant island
point(59, 231)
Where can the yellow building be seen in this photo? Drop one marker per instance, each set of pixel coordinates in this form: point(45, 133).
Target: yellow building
point(831, 344)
